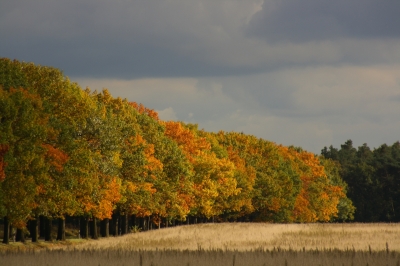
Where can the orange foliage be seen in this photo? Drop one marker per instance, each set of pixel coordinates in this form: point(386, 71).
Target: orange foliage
point(141, 212)
point(149, 187)
point(144, 110)
point(87, 204)
point(153, 164)
point(40, 189)
point(318, 198)
point(313, 162)
point(186, 202)
point(111, 196)
point(140, 140)
point(188, 142)
point(3, 150)
point(302, 211)
point(275, 204)
point(131, 186)
point(56, 157)
point(234, 157)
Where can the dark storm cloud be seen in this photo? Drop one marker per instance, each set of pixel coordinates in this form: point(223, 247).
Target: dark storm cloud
point(136, 39)
point(313, 20)
point(87, 57)
point(119, 39)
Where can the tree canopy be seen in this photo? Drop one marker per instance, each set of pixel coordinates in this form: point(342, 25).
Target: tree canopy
point(65, 151)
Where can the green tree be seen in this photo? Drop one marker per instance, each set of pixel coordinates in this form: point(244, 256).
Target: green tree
point(22, 130)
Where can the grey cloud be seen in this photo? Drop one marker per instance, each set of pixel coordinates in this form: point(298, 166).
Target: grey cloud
point(177, 38)
point(123, 39)
point(315, 20)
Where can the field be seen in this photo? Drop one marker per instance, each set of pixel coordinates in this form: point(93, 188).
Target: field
point(227, 244)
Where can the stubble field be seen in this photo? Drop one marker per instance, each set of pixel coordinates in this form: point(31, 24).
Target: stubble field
point(229, 244)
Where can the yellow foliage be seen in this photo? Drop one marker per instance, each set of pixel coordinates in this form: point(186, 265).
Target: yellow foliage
point(111, 196)
point(318, 199)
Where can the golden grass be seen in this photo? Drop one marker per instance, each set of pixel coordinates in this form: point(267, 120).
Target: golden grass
point(234, 244)
point(251, 236)
point(29, 245)
point(199, 258)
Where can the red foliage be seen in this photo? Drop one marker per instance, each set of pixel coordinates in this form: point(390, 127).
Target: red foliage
point(56, 157)
point(3, 150)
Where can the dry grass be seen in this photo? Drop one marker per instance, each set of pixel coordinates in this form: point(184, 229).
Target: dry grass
point(229, 244)
point(246, 237)
point(199, 258)
point(41, 245)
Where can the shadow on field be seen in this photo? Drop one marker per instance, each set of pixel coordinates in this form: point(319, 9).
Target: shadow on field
point(199, 257)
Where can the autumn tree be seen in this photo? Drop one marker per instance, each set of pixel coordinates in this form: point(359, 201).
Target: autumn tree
point(345, 206)
point(65, 151)
point(213, 177)
point(276, 183)
point(173, 184)
point(240, 204)
point(318, 198)
point(22, 131)
point(68, 109)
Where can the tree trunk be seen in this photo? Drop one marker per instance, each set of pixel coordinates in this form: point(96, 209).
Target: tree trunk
point(79, 226)
point(134, 220)
point(144, 223)
point(114, 225)
point(84, 227)
point(6, 237)
point(61, 229)
point(105, 228)
point(124, 224)
point(33, 229)
point(150, 222)
point(93, 228)
point(42, 226)
point(48, 228)
point(20, 236)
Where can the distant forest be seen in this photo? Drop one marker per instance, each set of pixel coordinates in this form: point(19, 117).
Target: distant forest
point(373, 179)
point(71, 152)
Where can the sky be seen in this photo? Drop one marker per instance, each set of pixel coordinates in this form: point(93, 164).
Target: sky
point(310, 73)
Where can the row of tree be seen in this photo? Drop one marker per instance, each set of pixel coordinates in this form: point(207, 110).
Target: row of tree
point(65, 151)
point(373, 178)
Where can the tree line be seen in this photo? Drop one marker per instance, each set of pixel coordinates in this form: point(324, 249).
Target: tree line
point(72, 152)
point(373, 178)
